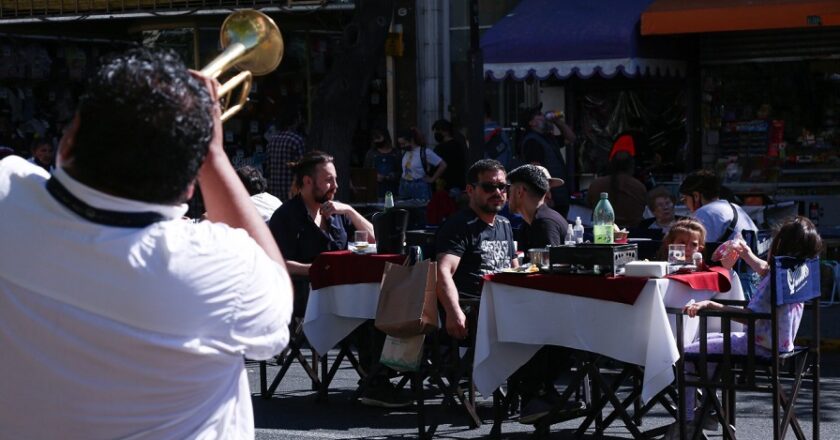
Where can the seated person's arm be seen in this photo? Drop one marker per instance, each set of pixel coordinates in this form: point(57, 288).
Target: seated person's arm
point(692, 309)
point(296, 268)
point(757, 264)
point(359, 222)
point(447, 293)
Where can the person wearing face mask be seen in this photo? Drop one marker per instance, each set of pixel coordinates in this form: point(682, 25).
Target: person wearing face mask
point(453, 153)
point(420, 166)
point(541, 147)
point(385, 159)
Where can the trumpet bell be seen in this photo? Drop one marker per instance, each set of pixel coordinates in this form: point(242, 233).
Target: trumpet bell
point(260, 36)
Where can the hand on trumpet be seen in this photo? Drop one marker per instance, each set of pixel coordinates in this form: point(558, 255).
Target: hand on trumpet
point(216, 147)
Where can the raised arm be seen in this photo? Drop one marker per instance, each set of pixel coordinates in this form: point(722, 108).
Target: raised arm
point(225, 197)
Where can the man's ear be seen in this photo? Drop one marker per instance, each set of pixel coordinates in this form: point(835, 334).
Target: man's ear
point(68, 141)
point(188, 194)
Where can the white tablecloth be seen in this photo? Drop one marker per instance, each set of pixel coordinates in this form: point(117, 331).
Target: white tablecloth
point(334, 312)
point(515, 322)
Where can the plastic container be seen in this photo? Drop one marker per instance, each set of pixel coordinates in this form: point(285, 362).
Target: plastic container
point(603, 219)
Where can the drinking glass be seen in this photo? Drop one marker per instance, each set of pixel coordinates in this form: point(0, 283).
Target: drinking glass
point(360, 239)
point(676, 254)
point(539, 257)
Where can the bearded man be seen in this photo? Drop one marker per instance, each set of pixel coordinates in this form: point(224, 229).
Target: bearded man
point(312, 222)
point(474, 242)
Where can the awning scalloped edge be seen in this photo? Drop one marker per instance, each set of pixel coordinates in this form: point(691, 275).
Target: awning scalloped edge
point(607, 68)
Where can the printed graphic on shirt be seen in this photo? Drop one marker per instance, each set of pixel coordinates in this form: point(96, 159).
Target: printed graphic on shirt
point(495, 256)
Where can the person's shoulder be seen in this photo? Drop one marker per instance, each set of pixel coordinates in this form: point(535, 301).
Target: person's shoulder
point(546, 213)
point(290, 209)
point(461, 217)
point(18, 167)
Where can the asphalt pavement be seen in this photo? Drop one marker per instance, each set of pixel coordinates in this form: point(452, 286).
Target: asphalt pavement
point(293, 413)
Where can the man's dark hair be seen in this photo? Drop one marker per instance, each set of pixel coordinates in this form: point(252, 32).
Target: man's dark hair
point(145, 127)
point(308, 163)
point(482, 166)
point(533, 178)
point(703, 181)
point(443, 125)
point(253, 179)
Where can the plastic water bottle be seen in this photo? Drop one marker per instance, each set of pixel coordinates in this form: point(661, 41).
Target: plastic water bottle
point(578, 230)
point(570, 237)
point(389, 200)
point(603, 219)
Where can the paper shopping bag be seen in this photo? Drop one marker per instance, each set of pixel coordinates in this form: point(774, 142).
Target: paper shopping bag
point(403, 354)
point(407, 300)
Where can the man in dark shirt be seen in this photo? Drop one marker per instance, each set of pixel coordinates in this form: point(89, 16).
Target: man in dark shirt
point(541, 147)
point(473, 242)
point(312, 222)
point(453, 153)
point(543, 226)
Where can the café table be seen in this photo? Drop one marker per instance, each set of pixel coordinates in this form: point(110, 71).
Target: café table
point(623, 318)
point(344, 294)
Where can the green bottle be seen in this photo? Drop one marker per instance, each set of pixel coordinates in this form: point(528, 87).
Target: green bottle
point(603, 219)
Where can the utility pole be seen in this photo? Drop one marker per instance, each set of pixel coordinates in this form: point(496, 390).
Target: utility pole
point(475, 93)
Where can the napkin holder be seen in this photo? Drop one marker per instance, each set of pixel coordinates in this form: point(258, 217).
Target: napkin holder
point(649, 269)
point(598, 259)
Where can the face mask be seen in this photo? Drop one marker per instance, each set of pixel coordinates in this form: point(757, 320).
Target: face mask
point(438, 137)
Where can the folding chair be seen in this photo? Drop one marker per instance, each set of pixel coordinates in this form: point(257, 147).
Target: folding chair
point(292, 353)
point(792, 281)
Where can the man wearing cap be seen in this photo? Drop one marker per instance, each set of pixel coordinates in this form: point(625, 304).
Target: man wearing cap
point(543, 226)
point(541, 147)
point(529, 185)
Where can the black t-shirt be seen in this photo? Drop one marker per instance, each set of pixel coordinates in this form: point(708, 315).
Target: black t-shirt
point(455, 174)
point(547, 228)
point(483, 248)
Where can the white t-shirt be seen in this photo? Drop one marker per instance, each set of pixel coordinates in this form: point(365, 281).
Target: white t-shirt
point(266, 204)
point(717, 215)
point(136, 333)
point(412, 164)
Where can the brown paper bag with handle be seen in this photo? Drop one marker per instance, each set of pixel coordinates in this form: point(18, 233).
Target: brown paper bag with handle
point(407, 300)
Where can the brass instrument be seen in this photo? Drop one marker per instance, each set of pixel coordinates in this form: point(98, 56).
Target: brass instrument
point(253, 44)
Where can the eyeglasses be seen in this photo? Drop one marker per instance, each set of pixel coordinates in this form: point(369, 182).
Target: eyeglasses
point(490, 187)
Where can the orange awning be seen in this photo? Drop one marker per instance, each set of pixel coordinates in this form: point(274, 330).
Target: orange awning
point(668, 17)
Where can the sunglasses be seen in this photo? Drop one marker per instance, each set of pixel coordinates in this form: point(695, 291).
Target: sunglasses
point(490, 187)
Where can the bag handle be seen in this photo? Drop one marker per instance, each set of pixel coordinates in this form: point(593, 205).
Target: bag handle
point(730, 229)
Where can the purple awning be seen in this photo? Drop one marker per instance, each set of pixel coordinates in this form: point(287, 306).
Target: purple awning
point(576, 37)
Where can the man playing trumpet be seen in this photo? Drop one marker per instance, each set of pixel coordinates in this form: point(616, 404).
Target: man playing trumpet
point(117, 318)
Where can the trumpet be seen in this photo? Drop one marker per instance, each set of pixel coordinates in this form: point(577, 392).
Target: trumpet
point(253, 44)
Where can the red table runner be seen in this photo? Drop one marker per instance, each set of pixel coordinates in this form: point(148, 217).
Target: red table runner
point(715, 279)
point(345, 267)
point(624, 290)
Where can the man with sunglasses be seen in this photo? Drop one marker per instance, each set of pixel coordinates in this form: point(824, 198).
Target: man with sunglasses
point(474, 242)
